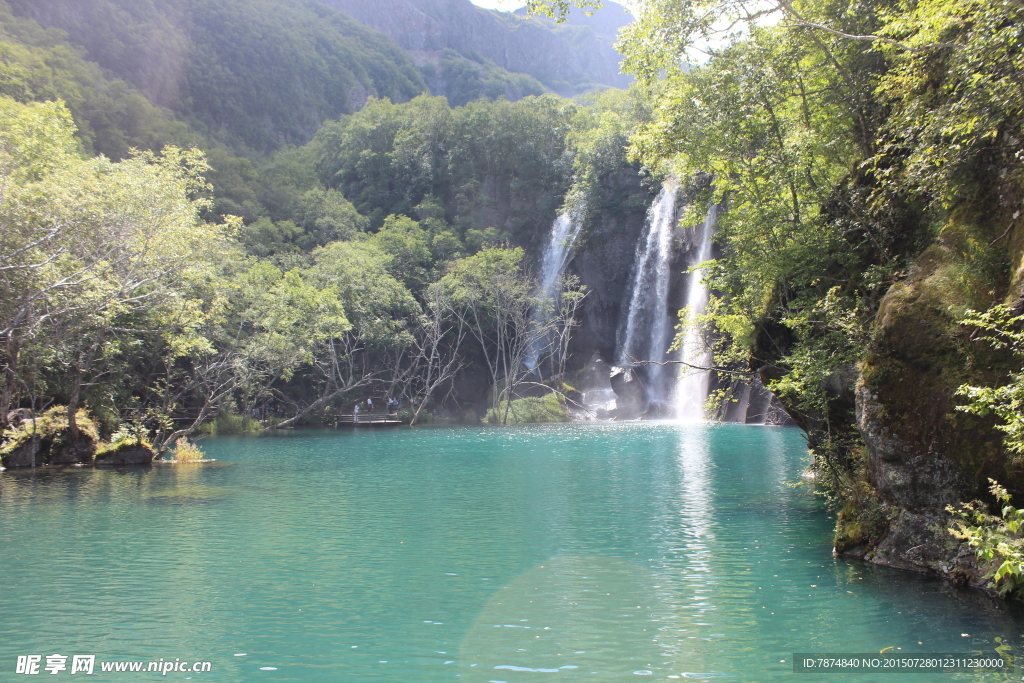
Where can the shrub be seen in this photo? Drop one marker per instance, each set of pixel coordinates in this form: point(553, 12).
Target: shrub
point(126, 436)
point(186, 451)
point(998, 540)
point(230, 423)
point(529, 410)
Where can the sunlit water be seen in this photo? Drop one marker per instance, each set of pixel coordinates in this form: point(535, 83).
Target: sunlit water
point(582, 552)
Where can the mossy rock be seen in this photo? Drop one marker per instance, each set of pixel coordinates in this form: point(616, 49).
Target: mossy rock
point(924, 454)
point(126, 453)
point(47, 440)
point(920, 355)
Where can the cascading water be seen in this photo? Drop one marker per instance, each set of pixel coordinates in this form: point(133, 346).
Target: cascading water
point(563, 234)
point(646, 335)
point(692, 388)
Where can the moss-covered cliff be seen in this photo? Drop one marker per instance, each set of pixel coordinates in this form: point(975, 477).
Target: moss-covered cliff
point(921, 453)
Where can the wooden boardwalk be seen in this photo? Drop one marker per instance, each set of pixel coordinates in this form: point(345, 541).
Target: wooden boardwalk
point(381, 419)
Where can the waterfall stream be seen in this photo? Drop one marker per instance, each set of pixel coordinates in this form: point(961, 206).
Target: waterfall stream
point(563, 234)
point(692, 388)
point(647, 333)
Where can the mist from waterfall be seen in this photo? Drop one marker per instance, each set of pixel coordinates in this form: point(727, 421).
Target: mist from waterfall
point(692, 387)
point(563, 234)
point(647, 333)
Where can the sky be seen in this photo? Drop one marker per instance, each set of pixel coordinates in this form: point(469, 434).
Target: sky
point(503, 5)
point(508, 5)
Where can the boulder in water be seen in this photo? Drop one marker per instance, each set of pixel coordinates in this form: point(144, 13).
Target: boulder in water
point(630, 392)
point(127, 453)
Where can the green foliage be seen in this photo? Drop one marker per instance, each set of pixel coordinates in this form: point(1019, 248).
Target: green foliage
point(528, 410)
point(186, 451)
point(111, 117)
point(491, 296)
point(409, 247)
point(287, 315)
point(833, 333)
point(232, 423)
point(487, 280)
point(1003, 330)
point(559, 9)
point(377, 304)
point(997, 540)
point(125, 436)
point(957, 105)
point(485, 159)
point(86, 239)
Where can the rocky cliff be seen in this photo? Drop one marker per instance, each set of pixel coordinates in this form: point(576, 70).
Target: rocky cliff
point(568, 59)
point(604, 261)
point(922, 454)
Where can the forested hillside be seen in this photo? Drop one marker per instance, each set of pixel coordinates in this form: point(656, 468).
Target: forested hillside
point(111, 115)
point(253, 74)
point(465, 51)
point(387, 256)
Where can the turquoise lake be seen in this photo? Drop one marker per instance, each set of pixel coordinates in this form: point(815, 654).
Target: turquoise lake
point(588, 552)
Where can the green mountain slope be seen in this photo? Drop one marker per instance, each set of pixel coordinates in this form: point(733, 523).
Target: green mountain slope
point(568, 59)
point(111, 116)
point(254, 74)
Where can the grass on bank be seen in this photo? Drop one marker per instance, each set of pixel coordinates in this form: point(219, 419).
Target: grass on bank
point(230, 423)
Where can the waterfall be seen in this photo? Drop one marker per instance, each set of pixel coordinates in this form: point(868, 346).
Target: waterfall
point(647, 333)
point(556, 254)
point(692, 388)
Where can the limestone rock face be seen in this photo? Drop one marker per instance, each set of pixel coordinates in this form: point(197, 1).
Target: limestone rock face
point(73, 452)
point(603, 261)
point(26, 455)
point(922, 453)
point(631, 396)
point(52, 449)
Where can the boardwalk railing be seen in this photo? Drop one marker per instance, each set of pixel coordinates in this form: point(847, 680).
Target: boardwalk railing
point(381, 417)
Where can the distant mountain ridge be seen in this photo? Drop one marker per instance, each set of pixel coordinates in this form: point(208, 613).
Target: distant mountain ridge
point(568, 58)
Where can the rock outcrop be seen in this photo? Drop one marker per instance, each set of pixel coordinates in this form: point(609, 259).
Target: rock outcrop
point(47, 440)
point(604, 262)
point(922, 454)
point(129, 453)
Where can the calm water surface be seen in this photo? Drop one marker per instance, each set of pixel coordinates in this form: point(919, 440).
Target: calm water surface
point(581, 552)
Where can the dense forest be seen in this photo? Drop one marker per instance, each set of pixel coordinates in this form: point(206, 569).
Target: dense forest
point(256, 210)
